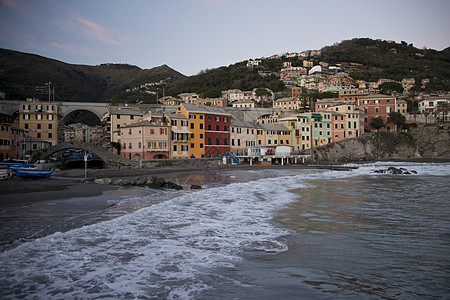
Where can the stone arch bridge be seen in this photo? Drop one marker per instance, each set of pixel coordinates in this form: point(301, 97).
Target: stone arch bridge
point(108, 157)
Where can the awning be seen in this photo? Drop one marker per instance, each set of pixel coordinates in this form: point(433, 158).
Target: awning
point(180, 131)
point(317, 115)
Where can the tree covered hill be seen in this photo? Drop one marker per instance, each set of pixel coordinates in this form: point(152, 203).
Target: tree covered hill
point(362, 58)
point(21, 73)
point(383, 59)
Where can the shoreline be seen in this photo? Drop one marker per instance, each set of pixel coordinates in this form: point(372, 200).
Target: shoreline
point(66, 183)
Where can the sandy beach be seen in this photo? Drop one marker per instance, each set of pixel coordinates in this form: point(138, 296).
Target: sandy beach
point(66, 183)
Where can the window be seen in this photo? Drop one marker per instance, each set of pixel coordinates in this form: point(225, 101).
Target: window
point(224, 128)
point(209, 141)
point(209, 127)
point(118, 116)
point(201, 117)
point(129, 131)
point(174, 148)
point(50, 126)
point(118, 126)
point(217, 141)
point(192, 135)
point(38, 126)
point(50, 135)
point(201, 125)
point(376, 109)
point(192, 145)
point(131, 117)
point(50, 117)
point(217, 127)
point(139, 145)
point(201, 145)
point(130, 146)
point(39, 135)
point(209, 118)
point(192, 125)
point(184, 147)
point(201, 135)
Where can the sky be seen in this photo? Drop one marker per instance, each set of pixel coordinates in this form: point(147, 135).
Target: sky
point(194, 35)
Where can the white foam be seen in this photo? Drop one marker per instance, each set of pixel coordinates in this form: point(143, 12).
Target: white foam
point(168, 250)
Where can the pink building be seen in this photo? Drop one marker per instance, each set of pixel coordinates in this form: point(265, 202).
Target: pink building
point(145, 140)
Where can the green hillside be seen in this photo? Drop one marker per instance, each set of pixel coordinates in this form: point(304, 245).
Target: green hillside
point(366, 59)
point(383, 59)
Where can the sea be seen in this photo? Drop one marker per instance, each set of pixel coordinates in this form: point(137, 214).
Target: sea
point(293, 233)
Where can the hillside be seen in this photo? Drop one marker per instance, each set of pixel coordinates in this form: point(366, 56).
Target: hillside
point(362, 58)
point(21, 73)
point(370, 60)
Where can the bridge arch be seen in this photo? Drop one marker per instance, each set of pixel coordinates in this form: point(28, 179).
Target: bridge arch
point(84, 116)
point(108, 157)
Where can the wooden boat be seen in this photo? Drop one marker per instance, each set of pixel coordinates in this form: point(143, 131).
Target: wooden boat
point(34, 173)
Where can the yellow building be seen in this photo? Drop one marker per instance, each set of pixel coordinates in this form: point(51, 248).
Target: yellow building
point(402, 107)
point(180, 134)
point(40, 119)
point(120, 116)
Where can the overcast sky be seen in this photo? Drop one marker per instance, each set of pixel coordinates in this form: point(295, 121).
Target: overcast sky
point(193, 35)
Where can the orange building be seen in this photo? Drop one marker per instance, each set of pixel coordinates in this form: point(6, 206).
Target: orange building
point(210, 130)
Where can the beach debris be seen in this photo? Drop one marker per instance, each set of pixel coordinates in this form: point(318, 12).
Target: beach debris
point(396, 171)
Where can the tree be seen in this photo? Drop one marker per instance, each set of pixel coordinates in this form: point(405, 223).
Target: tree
point(377, 123)
point(398, 119)
point(262, 92)
point(388, 88)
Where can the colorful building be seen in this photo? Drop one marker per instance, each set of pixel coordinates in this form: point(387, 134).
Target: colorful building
point(145, 140)
point(210, 130)
point(377, 105)
point(179, 139)
point(286, 104)
point(243, 136)
point(120, 116)
point(40, 119)
point(347, 121)
point(6, 122)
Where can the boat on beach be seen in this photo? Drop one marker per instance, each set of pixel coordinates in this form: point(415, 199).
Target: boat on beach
point(11, 165)
point(33, 173)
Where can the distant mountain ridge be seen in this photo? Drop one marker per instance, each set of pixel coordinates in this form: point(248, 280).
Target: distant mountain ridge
point(362, 58)
point(21, 73)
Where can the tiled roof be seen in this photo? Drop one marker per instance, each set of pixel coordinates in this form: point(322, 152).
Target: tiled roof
point(202, 109)
point(238, 123)
point(132, 111)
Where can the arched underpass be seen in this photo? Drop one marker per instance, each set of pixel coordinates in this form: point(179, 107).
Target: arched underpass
point(109, 158)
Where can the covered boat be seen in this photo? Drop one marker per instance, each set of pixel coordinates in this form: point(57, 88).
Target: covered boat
point(33, 173)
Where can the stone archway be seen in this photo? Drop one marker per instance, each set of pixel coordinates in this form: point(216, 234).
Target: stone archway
point(81, 116)
point(108, 157)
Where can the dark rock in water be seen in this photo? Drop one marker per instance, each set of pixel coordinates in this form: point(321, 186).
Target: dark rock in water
point(396, 171)
point(195, 187)
point(171, 185)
